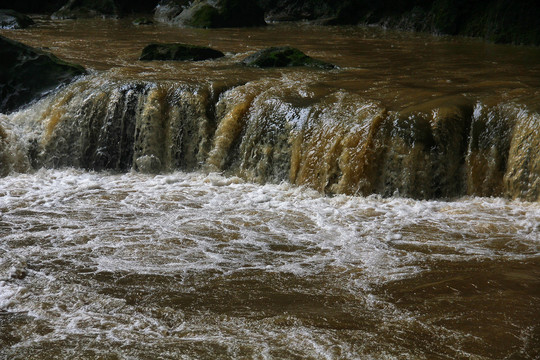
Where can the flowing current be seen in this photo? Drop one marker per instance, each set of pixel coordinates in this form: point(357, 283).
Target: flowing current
point(384, 210)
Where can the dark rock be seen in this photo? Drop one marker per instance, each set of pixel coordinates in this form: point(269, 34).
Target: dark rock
point(283, 57)
point(180, 52)
point(168, 10)
point(500, 21)
point(142, 21)
point(82, 9)
point(27, 74)
point(287, 10)
point(211, 13)
point(10, 19)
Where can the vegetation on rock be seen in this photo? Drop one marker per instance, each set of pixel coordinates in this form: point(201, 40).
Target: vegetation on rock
point(500, 21)
point(211, 13)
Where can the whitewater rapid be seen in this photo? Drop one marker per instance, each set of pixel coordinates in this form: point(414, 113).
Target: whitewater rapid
point(203, 265)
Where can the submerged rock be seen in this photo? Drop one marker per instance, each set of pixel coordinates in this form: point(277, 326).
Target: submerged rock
point(211, 13)
point(179, 52)
point(81, 9)
point(10, 19)
point(142, 21)
point(283, 57)
point(27, 73)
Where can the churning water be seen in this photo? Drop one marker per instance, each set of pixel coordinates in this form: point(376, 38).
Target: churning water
point(209, 211)
point(206, 266)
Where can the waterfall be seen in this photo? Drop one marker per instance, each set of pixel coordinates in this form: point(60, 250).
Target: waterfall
point(273, 131)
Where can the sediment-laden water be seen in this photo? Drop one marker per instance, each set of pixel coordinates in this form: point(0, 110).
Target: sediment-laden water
point(204, 266)
point(387, 209)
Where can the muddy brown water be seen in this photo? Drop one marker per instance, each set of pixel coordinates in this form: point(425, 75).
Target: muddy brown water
point(230, 261)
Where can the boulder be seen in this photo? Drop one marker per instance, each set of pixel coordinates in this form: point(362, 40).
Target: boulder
point(27, 74)
point(10, 19)
point(284, 56)
point(211, 13)
point(179, 52)
point(168, 10)
point(82, 9)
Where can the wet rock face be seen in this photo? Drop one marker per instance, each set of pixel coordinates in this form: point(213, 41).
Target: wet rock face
point(283, 57)
point(27, 73)
point(81, 9)
point(179, 52)
point(211, 13)
point(10, 19)
point(499, 21)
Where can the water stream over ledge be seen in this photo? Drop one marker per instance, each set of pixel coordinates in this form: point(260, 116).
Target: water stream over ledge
point(210, 211)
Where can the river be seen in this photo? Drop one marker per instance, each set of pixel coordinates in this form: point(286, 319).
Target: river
point(158, 210)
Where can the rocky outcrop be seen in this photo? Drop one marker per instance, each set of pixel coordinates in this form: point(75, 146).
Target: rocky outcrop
point(81, 9)
point(179, 52)
point(500, 21)
point(10, 19)
point(284, 56)
point(27, 73)
point(211, 13)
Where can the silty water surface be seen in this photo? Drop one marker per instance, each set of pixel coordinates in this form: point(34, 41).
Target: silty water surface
point(199, 265)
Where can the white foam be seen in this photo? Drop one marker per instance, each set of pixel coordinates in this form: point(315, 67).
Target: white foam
point(206, 226)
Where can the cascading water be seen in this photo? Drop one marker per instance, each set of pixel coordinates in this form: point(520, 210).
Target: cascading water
point(273, 131)
point(387, 209)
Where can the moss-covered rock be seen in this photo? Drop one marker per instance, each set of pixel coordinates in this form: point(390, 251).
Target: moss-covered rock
point(284, 56)
point(27, 73)
point(10, 19)
point(81, 9)
point(167, 11)
point(211, 13)
point(179, 52)
point(204, 16)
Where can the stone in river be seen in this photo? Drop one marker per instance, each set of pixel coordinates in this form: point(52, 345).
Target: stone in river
point(27, 73)
point(179, 52)
point(284, 56)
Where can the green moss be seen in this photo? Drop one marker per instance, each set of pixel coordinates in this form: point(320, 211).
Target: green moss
point(224, 13)
point(205, 16)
